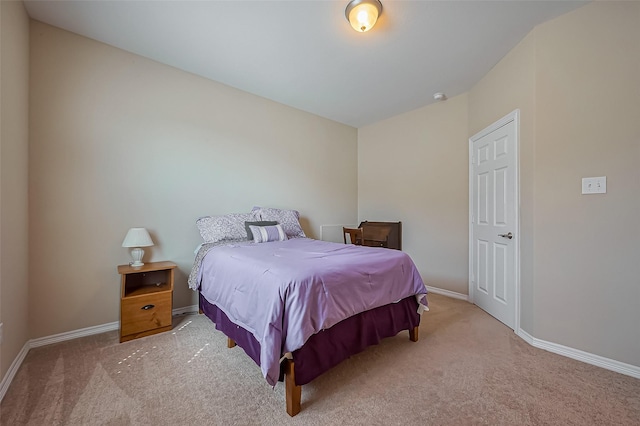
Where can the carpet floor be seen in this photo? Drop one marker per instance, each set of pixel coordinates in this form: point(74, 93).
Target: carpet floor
point(466, 369)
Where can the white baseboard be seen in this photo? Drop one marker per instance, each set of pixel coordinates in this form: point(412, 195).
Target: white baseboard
point(13, 369)
point(193, 309)
point(90, 331)
point(70, 335)
point(448, 293)
point(577, 354)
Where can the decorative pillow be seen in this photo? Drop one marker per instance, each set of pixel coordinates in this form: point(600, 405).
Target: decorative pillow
point(289, 219)
point(265, 234)
point(258, 223)
point(227, 227)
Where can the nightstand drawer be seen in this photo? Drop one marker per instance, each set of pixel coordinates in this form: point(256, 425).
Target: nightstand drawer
point(139, 314)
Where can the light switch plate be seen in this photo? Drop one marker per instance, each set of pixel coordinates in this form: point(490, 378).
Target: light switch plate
point(594, 185)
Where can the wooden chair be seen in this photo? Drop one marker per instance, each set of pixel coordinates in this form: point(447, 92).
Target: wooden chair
point(356, 235)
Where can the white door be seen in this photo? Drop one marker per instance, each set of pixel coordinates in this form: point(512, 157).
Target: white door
point(493, 204)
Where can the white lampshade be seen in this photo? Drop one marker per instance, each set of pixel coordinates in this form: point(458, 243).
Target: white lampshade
point(136, 238)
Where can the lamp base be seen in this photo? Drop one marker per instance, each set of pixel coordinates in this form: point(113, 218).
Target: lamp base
point(137, 254)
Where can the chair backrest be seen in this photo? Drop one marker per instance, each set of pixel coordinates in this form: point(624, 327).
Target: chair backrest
point(356, 235)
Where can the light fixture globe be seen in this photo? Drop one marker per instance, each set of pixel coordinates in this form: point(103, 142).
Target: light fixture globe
point(363, 14)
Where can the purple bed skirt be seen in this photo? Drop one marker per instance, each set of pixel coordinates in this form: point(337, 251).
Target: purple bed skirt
point(329, 347)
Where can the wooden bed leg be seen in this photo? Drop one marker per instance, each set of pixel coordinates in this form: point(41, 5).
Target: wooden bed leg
point(230, 342)
point(292, 392)
point(413, 334)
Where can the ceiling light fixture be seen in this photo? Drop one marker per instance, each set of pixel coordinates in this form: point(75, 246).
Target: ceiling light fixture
point(363, 14)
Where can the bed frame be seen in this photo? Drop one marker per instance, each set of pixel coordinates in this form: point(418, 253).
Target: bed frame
point(354, 335)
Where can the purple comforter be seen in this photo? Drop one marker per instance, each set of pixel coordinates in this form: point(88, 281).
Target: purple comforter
point(284, 292)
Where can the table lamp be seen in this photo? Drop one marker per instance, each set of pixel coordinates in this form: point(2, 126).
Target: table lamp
point(136, 238)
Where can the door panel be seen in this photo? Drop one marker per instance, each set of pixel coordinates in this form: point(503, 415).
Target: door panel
point(483, 267)
point(493, 186)
point(500, 190)
point(500, 272)
point(483, 199)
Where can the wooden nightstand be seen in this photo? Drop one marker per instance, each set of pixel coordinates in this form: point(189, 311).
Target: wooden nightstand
point(146, 299)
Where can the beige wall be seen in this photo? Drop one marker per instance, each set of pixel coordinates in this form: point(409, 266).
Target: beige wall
point(14, 138)
point(587, 265)
point(119, 141)
point(576, 81)
point(414, 168)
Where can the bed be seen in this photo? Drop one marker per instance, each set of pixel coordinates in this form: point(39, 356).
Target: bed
point(299, 306)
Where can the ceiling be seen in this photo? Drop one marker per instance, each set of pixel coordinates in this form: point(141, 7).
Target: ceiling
point(306, 55)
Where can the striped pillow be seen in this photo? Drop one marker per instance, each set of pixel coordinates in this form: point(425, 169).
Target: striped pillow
point(265, 234)
point(258, 223)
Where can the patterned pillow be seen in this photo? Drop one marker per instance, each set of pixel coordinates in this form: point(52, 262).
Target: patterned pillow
point(227, 227)
point(258, 223)
point(265, 234)
point(289, 219)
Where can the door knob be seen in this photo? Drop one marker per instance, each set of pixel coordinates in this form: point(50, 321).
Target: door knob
point(509, 235)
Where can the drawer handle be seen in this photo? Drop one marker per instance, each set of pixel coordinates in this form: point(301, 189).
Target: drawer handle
point(147, 307)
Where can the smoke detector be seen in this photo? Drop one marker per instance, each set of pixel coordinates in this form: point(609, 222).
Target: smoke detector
point(439, 96)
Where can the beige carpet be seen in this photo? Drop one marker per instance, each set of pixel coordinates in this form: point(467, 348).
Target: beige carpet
point(466, 369)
